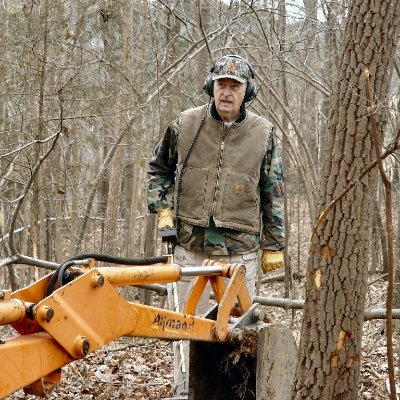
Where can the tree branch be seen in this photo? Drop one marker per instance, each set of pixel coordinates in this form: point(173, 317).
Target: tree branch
point(22, 197)
point(390, 245)
point(390, 149)
point(203, 31)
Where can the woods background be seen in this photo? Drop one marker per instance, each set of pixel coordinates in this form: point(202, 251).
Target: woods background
point(101, 81)
point(87, 88)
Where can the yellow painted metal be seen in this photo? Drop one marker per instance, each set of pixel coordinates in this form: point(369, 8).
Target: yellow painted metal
point(11, 311)
point(159, 323)
point(137, 275)
point(99, 314)
point(34, 292)
point(236, 290)
point(86, 316)
point(25, 359)
point(31, 294)
point(217, 284)
point(89, 312)
point(5, 294)
point(195, 295)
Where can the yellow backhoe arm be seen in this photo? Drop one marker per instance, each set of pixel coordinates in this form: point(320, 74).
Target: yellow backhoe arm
point(89, 312)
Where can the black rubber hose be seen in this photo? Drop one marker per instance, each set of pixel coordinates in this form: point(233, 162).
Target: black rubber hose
point(58, 275)
point(120, 260)
point(61, 270)
point(52, 283)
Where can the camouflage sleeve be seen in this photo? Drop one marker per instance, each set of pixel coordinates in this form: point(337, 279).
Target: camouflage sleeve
point(161, 171)
point(271, 192)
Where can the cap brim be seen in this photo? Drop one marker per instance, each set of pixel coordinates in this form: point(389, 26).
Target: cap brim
point(241, 80)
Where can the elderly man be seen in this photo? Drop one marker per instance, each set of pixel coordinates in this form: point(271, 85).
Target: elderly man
point(217, 172)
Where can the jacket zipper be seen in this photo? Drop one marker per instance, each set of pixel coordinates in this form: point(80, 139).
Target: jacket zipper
point(219, 165)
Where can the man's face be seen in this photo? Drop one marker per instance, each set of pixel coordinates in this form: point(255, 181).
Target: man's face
point(228, 94)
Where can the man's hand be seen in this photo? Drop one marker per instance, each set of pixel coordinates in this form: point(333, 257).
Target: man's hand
point(271, 260)
point(167, 229)
point(165, 218)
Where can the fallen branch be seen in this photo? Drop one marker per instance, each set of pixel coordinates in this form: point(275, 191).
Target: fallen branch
point(280, 302)
point(275, 278)
point(21, 259)
point(369, 314)
point(380, 313)
point(281, 277)
point(377, 279)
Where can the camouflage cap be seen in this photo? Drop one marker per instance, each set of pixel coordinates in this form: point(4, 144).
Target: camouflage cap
point(234, 67)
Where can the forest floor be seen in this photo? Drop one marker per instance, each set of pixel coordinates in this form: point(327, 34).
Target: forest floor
point(141, 369)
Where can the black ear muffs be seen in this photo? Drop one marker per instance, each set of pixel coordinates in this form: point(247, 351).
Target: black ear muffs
point(251, 91)
point(209, 85)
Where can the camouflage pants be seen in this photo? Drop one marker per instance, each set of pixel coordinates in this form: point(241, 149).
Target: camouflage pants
point(178, 293)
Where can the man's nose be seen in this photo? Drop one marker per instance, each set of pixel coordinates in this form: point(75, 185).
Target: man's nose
point(226, 91)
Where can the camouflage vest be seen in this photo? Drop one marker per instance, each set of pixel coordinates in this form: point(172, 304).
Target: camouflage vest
point(221, 177)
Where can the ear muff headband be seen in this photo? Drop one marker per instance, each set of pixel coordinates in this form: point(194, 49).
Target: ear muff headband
point(251, 91)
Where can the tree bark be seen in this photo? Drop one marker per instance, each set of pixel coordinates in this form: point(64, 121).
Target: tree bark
point(330, 347)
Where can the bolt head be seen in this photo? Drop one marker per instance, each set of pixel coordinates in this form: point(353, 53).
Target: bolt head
point(85, 347)
point(237, 335)
point(43, 312)
point(49, 314)
point(82, 346)
point(98, 280)
point(259, 314)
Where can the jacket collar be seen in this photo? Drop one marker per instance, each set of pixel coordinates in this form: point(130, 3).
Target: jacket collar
point(215, 115)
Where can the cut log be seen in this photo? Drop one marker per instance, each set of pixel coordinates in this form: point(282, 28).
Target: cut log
point(276, 362)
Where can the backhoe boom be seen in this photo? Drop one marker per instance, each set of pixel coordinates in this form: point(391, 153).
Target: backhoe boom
point(88, 312)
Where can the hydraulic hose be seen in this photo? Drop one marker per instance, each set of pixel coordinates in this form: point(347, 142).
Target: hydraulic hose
point(120, 260)
point(60, 273)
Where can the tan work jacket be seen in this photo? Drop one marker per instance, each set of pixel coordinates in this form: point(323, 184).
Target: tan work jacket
point(222, 175)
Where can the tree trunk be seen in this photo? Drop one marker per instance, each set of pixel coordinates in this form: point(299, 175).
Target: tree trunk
point(37, 209)
point(330, 347)
point(381, 234)
point(134, 233)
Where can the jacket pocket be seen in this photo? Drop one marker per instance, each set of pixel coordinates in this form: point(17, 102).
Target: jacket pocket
point(239, 203)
